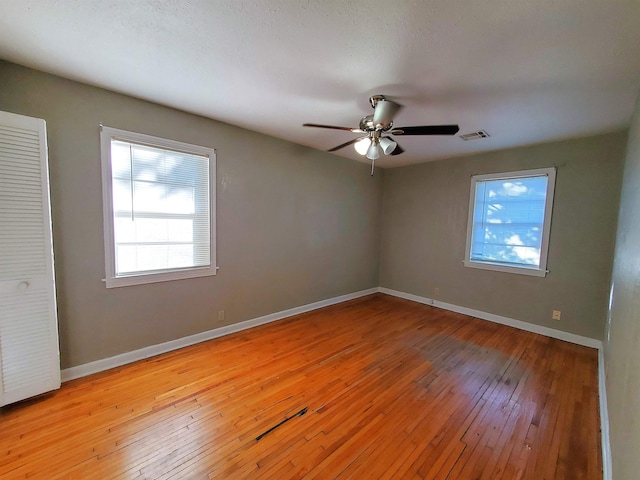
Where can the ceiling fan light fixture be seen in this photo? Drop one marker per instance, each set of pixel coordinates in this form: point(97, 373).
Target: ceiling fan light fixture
point(387, 145)
point(362, 145)
point(373, 153)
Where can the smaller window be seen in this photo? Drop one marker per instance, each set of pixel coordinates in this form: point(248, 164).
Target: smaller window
point(509, 221)
point(159, 205)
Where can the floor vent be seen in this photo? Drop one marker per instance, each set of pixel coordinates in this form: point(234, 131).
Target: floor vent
point(474, 135)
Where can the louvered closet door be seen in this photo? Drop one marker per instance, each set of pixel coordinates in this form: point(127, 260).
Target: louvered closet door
point(29, 358)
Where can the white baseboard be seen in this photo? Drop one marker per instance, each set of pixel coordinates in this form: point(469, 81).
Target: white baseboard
point(153, 350)
point(146, 352)
point(529, 327)
point(607, 470)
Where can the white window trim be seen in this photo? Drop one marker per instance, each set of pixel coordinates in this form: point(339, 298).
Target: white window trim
point(113, 280)
point(541, 270)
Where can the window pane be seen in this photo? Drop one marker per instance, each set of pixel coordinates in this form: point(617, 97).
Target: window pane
point(121, 195)
point(120, 160)
point(508, 220)
point(162, 198)
point(141, 258)
point(161, 208)
point(521, 255)
point(153, 230)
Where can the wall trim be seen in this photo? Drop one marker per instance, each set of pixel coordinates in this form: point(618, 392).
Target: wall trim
point(153, 350)
point(607, 469)
point(529, 327)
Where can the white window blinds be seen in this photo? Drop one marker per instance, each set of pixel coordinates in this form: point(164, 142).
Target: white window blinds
point(160, 207)
point(510, 219)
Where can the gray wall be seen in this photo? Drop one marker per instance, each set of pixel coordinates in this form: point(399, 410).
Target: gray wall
point(295, 225)
point(424, 222)
point(622, 352)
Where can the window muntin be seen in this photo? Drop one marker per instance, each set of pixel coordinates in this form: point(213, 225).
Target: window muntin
point(159, 205)
point(509, 221)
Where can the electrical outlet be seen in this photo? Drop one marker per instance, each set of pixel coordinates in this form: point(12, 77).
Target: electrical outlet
point(436, 292)
point(221, 316)
point(556, 315)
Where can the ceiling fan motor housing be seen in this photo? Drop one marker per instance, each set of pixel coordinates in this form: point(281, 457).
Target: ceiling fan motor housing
point(368, 126)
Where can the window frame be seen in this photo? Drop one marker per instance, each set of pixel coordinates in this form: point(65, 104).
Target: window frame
point(107, 134)
point(541, 269)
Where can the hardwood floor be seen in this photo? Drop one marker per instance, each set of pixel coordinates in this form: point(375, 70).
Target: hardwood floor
point(394, 389)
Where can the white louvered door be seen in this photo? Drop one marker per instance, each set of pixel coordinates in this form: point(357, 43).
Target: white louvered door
point(29, 355)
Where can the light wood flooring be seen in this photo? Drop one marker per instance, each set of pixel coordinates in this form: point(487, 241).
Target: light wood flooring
point(392, 388)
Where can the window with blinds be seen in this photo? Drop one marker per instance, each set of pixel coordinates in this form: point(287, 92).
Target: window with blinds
point(509, 221)
point(158, 208)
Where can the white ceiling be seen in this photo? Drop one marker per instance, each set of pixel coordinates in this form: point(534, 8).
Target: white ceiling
point(527, 71)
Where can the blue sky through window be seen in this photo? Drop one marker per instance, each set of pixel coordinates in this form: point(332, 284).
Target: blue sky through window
point(508, 220)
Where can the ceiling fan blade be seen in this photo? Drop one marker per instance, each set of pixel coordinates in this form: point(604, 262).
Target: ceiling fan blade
point(384, 112)
point(427, 130)
point(398, 150)
point(345, 144)
point(332, 127)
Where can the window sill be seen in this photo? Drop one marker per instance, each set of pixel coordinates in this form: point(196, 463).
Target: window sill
point(496, 267)
point(143, 278)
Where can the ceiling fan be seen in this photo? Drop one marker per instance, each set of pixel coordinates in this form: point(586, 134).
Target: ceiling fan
point(378, 127)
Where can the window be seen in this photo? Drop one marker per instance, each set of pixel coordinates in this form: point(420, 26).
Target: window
point(509, 221)
point(159, 206)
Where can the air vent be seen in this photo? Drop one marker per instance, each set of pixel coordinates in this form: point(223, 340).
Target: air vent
point(475, 135)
